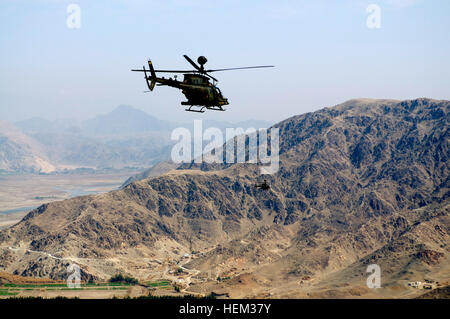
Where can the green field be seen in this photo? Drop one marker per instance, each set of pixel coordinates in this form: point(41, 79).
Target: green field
point(5, 292)
point(34, 285)
point(163, 283)
point(108, 284)
point(14, 289)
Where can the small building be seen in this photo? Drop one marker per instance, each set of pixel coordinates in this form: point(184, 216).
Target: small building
point(414, 284)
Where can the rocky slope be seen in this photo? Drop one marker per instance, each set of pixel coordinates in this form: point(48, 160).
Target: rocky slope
point(21, 153)
point(156, 170)
point(359, 183)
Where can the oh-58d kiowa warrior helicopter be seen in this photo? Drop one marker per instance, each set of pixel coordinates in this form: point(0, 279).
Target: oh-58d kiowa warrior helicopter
point(197, 88)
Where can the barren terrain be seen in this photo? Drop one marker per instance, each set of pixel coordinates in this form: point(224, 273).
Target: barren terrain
point(365, 182)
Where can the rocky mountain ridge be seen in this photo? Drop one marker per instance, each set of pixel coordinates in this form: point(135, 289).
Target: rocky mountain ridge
point(362, 182)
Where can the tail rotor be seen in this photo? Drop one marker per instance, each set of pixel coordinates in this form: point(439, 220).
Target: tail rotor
point(152, 78)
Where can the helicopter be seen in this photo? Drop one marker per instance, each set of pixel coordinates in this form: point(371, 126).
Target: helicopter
point(196, 86)
point(263, 185)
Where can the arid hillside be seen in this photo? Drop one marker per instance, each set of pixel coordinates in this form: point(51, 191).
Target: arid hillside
point(21, 153)
point(364, 182)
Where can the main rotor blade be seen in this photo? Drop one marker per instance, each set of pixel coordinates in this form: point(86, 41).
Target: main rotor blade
point(168, 71)
point(244, 67)
point(192, 62)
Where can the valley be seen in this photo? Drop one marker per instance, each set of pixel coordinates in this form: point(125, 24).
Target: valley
point(20, 193)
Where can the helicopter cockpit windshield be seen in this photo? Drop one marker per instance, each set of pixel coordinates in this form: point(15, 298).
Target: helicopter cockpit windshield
point(217, 90)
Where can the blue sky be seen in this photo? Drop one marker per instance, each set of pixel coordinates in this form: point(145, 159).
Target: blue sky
point(323, 51)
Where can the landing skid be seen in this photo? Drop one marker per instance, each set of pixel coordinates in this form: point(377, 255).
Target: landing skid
point(215, 108)
point(198, 111)
point(212, 108)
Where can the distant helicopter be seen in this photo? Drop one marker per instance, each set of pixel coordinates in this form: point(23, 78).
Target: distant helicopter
point(263, 185)
point(197, 88)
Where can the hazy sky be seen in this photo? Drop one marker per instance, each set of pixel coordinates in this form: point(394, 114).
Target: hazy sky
point(323, 51)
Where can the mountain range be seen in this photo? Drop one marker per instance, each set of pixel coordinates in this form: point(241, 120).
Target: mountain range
point(124, 137)
point(364, 182)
